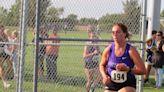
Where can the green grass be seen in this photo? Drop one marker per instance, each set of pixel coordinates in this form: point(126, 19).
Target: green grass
point(70, 68)
point(149, 87)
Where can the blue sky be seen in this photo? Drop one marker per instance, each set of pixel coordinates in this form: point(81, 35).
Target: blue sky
point(84, 8)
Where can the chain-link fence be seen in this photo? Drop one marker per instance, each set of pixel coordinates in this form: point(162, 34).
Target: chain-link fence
point(60, 64)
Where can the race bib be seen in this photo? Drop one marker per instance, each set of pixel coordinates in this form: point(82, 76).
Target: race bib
point(118, 76)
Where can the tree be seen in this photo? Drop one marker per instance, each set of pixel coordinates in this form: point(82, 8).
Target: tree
point(70, 21)
point(3, 13)
point(162, 13)
point(12, 18)
point(53, 14)
point(44, 4)
point(86, 21)
point(106, 22)
point(131, 15)
point(43, 9)
point(72, 16)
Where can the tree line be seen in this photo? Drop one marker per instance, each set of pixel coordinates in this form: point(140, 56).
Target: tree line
point(49, 14)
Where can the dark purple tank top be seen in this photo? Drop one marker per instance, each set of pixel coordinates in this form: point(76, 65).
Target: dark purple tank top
point(113, 59)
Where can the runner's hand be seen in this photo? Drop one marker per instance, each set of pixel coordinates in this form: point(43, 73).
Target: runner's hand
point(122, 67)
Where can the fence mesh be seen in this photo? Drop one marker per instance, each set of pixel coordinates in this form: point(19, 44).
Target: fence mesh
point(70, 18)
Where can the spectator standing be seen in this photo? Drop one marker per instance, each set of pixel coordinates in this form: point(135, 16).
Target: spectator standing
point(14, 51)
point(158, 59)
point(3, 55)
point(52, 53)
point(91, 56)
point(151, 48)
point(42, 50)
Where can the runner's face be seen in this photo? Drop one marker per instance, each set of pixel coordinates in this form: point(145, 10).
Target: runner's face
point(118, 34)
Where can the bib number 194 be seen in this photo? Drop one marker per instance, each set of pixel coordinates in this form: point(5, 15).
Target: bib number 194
point(118, 76)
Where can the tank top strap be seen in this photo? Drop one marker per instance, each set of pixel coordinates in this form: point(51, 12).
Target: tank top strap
point(111, 48)
point(128, 46)
point(127, 50)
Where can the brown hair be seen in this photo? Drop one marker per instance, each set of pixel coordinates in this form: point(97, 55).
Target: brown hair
point(148, 40)
point(15, 33)
point(124, 29)
point(160, 32)
point(91, 28)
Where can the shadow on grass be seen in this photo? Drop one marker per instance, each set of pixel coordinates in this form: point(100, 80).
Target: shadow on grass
point(151, 83)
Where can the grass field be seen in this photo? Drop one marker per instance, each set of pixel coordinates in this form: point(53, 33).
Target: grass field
point(71, 77)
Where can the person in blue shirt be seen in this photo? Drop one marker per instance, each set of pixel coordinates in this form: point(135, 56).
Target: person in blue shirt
point(158, 60)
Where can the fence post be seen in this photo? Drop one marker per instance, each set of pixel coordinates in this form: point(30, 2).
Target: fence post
point(35, 77)
point(24, 25)
point(143, 28)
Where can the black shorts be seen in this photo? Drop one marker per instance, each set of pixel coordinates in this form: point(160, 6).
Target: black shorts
point(117, 86)
point(149, 58)
point(91, 65)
